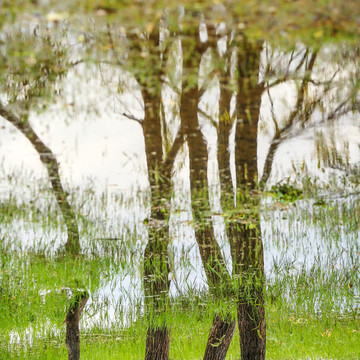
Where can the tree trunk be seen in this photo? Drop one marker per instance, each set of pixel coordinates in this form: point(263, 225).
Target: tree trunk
point(244, 233)
point(252, 329)
point(156, 266)
point(220, 337)
point(72, 339)
point(248, 102)
point(217, 275)
point(52, 166)
point(157, 343)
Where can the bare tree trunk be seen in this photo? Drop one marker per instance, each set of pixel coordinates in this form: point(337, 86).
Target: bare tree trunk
point(50, 162)
point(252, 330)
point(72, 339)
point(72, 245)
point(245, 237)
point(248, 265)
point(248, 102)
point(219, 281)
point(226, 121)
point(157, 343)
point(221, 334)
point(156, 270)
point(156, 266)
point(156, 294)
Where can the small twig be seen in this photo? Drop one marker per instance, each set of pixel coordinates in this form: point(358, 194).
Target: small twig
point(131, 117)
point(171, 155)
point(273, 116)
point(207, 116)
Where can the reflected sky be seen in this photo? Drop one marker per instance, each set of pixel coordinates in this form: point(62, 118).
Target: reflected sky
point(100, 148)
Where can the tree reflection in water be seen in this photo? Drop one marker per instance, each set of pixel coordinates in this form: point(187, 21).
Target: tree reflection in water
point(244, 287)
point(240, 193)
point(154, 56)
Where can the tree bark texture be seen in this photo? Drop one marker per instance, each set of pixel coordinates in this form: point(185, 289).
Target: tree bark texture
point(156, 266)
point(248, 102)
point(223, 134)
point(72, 339)
point(242, 227)
point(157, 343)
point(221, 334)
point(210, 252)
point(247, 252)
point(217, 275)
point(252, 328)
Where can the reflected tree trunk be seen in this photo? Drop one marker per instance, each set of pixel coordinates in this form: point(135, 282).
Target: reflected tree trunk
point(245, 237)
point(218, 278)
point(156, 259)
point(156, 268)
point(221, 334)
point(51, 164)
point(226, 122)
point(242, 218)
point(248, 101)
point(72, 246)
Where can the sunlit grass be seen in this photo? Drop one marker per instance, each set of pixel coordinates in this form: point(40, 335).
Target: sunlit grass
point(289, 336)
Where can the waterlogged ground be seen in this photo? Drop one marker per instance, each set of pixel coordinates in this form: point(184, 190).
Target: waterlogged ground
point(308, 212)
point(311, 253)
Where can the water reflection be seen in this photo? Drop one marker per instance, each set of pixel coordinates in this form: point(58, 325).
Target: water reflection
point(201, 137)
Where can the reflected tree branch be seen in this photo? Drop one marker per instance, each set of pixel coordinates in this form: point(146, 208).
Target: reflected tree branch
point(282, 134)
point(132, 117)
point(72, 245)
point(209, 117)
point(169, 160)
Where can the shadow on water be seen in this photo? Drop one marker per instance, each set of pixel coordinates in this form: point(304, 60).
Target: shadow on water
point(208, 94)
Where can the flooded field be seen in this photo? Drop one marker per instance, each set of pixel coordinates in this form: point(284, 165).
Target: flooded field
point(179, 192)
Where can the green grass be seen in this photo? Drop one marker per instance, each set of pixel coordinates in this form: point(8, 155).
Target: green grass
point(312, 312)
point(288, 337)
point(309, 337)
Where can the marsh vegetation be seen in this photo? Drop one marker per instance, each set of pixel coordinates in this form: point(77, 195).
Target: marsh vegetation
point(179, 182)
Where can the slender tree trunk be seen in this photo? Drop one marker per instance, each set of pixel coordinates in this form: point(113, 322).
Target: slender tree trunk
point(226, 121)
point(248, 265)
point(156, 267)
point(52, 166)
point(156, 270)
point(72, 339)
point(72, 245)
point(221, 334)
point(157, 343)
point(248, 101)
point(252, 330)
point(244, 234)
point(218, 278)
point(156, 294)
